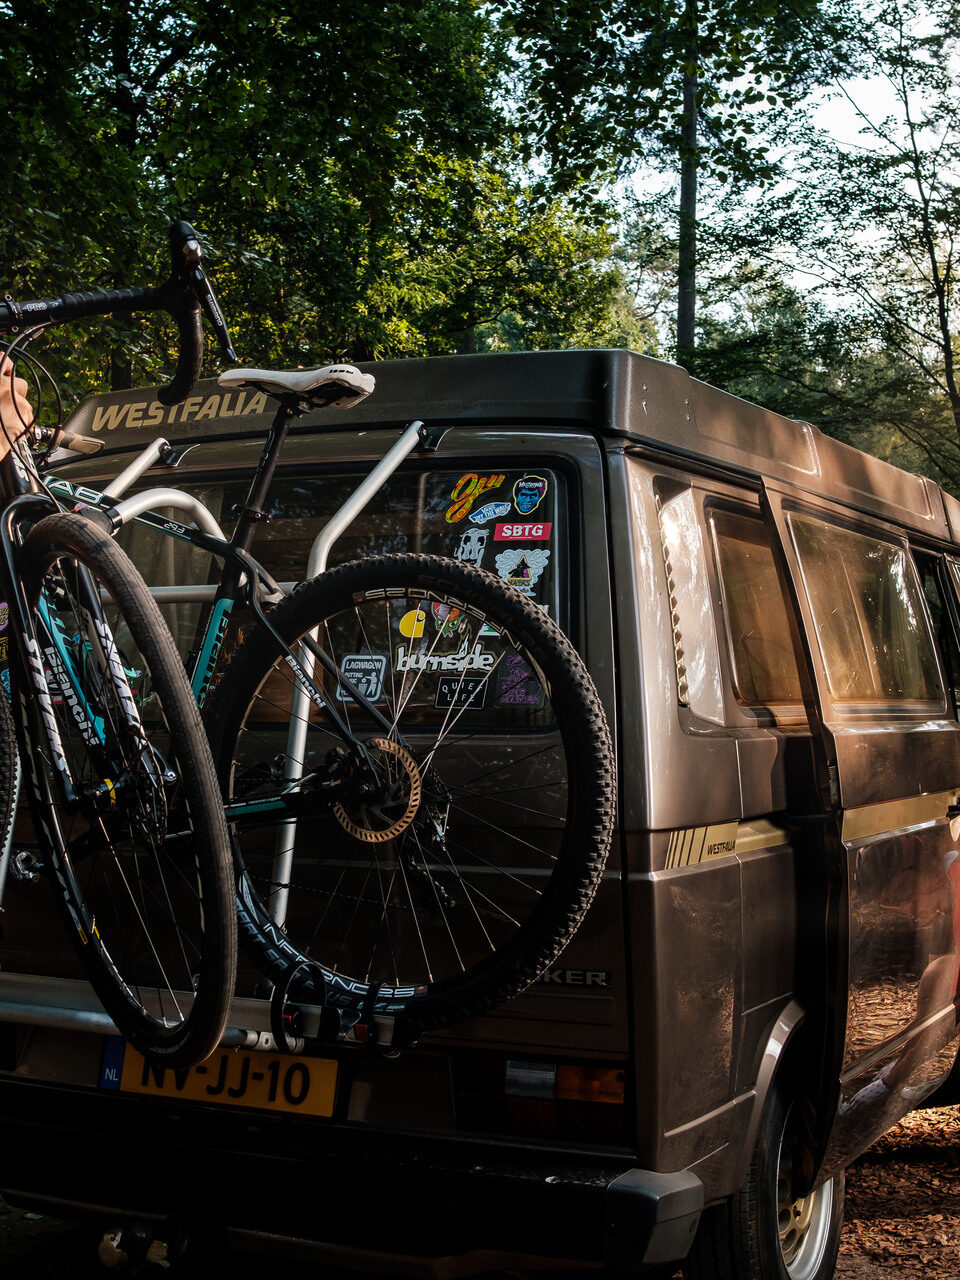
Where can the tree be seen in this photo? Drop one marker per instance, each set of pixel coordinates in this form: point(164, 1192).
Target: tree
point(872, 225)
point(669, 82)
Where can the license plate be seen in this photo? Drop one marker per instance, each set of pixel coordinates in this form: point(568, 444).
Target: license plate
point(232, 1077)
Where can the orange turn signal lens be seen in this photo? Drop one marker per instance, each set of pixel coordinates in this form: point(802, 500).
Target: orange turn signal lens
point(590, 1084)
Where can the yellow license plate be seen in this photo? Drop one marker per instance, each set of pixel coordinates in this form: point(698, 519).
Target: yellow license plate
point(239, 1078)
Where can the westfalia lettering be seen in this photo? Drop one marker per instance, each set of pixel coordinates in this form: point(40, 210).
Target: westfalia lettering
point(537, 532)
point(475, 659)
point(151, 413)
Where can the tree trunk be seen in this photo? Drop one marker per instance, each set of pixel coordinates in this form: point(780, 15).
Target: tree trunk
point(687, 248)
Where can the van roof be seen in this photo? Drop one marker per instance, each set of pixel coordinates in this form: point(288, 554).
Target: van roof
point(612, 393)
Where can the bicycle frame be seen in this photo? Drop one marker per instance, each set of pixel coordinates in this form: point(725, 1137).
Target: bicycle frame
point(244, 578)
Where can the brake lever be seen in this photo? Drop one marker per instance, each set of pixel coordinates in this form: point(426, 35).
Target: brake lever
point(193, 275)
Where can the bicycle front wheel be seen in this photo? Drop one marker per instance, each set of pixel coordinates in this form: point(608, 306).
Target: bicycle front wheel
point(445, 874)
point(130, 808)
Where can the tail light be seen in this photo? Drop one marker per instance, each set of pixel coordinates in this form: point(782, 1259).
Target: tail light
point(517, 1096)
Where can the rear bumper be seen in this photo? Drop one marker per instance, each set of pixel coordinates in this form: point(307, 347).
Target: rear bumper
point(424, 1207)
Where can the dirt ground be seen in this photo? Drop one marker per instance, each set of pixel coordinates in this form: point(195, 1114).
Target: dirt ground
point(902, 1223)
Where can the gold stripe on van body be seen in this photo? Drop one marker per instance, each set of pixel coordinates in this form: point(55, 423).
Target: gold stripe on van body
point(690, 846)
point(895, 815)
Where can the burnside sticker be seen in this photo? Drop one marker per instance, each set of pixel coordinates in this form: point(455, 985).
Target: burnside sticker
point(522, 532)
point(492, 511)
point(466, 491)
point(522, 567)
point(463, 659)
point(411, 624)
point(472, 545)
point(366, 672)
point(528, 493)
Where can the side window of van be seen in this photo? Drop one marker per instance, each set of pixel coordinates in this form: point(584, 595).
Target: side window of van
point(872, 625)
point(757, 616)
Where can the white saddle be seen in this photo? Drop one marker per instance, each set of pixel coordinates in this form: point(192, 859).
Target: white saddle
point(356, 386)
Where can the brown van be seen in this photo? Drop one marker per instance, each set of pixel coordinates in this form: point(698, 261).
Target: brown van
point(767, 979)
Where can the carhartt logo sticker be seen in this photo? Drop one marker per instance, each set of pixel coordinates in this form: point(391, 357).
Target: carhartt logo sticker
point(411, 624)
point(522, 532)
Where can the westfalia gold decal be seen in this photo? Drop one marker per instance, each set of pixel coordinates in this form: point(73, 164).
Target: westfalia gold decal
point(151, 413)
point(895, 815)
point(691, 845)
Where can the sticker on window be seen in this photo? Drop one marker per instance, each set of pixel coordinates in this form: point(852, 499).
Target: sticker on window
point(522, 567)
point(517, 685)
point(472, 544)
point(457, 692)
point(492, 511)
point(528, 493)
point(466, 491)
point(365, 671)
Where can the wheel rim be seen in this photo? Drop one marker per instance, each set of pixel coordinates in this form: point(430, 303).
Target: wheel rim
point(430, 913)
point(803, 1221)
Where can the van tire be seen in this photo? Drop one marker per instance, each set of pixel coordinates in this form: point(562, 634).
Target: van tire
point(760, 1233)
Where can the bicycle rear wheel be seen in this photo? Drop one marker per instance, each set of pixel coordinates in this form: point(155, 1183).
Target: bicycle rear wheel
point(456, 873)
point(139, 852)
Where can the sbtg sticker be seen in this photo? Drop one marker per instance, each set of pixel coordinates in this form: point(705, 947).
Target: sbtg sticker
point(522, 532)
point(466, 491)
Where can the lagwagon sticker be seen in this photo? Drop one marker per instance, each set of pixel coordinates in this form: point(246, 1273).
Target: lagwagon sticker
point(366, 672)
point(472, 545)
point(517, 686)
point(492, 511)
point(411, 624)
point(457, 692)
point(466, 491)
point(522, 532)
point(522, 567)
point(528, 493)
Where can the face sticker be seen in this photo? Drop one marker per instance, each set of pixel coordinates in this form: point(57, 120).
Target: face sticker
point(446, 618)
point(522, 532)
point(517, 686)
point(463, 659)
point(466, 491)
point(472, 545)
point(492, 511)
point(411, 624)
point(461, 692)
point(366, 671)
point(528, 493)
point(522, 566)
point(4, 615)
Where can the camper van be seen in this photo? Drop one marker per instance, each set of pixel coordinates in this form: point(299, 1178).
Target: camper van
point(767, 978)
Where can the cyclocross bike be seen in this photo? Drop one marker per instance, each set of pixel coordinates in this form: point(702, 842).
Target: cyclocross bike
point(123, 797)
point(415, 763)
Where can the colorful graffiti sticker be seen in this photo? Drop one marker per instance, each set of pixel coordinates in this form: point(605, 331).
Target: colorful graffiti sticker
point(528, 493)
point(447, 618)
point(522, 567)
point(466, 491)
point(517, 685)
point(4, 615)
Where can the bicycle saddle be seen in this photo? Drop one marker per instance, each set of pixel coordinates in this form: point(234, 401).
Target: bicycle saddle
point(352, 385)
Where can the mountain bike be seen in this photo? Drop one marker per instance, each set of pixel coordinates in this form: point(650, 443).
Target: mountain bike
point(416, 765)
point(121, 787)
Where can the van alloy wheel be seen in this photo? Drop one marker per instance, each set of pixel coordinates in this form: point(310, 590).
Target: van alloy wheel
point(803, 1221)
